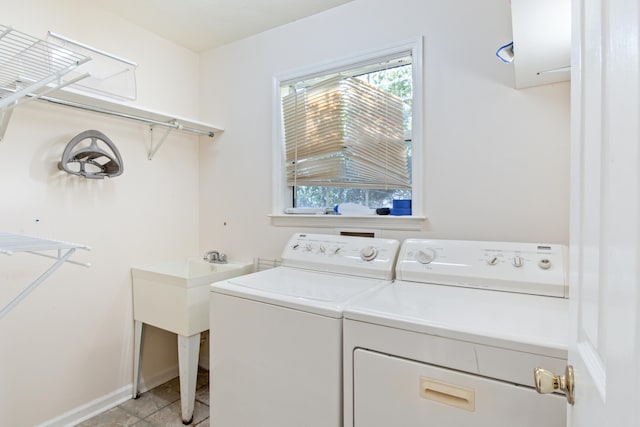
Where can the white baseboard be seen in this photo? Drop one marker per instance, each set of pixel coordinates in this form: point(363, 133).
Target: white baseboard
point(95, 407)
point(108, 401)
point(158, 379)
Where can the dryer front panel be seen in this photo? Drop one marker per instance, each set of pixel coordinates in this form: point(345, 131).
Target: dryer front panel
point(392, 391)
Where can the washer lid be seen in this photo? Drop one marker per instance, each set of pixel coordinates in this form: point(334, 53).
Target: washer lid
point(521, 322)
point(314, 292)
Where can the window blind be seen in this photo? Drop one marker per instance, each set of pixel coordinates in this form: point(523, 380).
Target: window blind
point(344, 132)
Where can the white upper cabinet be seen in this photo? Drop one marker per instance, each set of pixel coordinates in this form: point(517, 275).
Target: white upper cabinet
point(541, 41)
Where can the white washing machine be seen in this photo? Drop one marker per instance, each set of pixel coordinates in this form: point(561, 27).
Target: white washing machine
point(454, 341)
point(276, 335)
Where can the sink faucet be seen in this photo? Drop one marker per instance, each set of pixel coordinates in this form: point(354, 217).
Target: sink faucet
point(215, 257)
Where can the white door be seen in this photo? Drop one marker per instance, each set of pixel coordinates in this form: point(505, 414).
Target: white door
point(605, 214)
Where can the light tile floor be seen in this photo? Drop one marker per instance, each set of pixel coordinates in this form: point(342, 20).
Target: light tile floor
point(158, 407)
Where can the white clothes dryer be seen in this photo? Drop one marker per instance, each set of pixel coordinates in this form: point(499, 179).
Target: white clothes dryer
point(454, 341)
point(276, 335)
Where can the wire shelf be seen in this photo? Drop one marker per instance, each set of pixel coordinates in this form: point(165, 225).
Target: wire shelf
point(31, 68)
point(29, 64)
point(109, 75)
point(11, 243)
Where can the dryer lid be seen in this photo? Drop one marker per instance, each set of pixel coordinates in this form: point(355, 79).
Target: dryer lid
point(521, 322)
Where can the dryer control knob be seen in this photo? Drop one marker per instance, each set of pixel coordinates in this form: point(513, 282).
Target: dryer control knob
point(544, 263)
point(492, 260)
point(425, 256)
point(518, 261)
point(369, 253)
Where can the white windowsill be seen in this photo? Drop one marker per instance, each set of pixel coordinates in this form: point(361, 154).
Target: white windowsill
point(385, 222)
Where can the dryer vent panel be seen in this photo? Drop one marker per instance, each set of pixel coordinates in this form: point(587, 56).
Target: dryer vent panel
point(358, 233)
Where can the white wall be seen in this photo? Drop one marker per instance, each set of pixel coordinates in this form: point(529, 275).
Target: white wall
point(496, 158)
point(70, 342)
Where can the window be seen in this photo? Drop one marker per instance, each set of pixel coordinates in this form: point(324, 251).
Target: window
point(347, 132)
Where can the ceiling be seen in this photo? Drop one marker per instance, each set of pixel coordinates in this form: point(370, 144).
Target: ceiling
point(200, 25)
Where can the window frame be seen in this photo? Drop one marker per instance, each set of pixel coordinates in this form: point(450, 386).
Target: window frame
point(282, 194)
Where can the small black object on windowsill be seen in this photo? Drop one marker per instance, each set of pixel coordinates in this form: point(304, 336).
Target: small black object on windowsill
point(383, 211)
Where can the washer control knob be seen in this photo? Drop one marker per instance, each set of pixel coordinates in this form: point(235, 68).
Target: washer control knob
point(322, 249)
point(337, 250)
point(308, 247)
point(296, 246)
point(518, 261)
point(425, 256)
point(368, 253)
point(492, 260)
point(544, 263)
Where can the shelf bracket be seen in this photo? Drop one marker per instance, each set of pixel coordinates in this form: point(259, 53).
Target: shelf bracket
point(26, 291)
point(5, 113)
point(152, 149)
point(60, 259)
point(5, 117)
point(11, 243)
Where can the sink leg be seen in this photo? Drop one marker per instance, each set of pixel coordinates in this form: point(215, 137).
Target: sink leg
point(188, 351)
point(137, 355)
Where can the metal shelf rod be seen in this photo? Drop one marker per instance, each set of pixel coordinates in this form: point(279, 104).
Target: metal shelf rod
point(173, 124)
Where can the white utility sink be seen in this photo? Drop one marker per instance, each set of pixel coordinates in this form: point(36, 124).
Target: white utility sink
point(189, 272)
point(175, 296)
